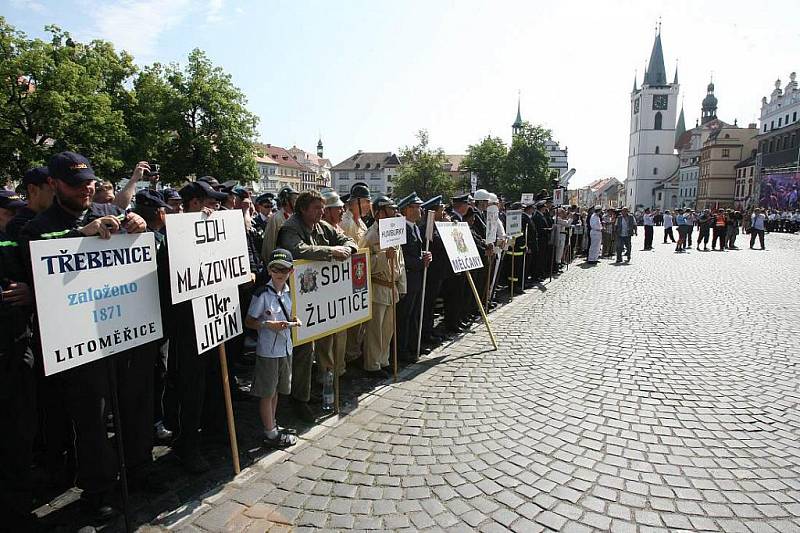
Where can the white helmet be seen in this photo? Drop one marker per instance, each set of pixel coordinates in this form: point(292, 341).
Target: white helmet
point(481, 194)
point(493, 198)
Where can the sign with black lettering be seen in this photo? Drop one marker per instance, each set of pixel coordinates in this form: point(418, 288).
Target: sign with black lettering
point(206, 253)
point(94, 297)
point(392, 231)
point(217, 318)
point(330, 296)
point(514, 223)
point(459, 245)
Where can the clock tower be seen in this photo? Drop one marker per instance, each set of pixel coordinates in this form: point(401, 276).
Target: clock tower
point(651, 145)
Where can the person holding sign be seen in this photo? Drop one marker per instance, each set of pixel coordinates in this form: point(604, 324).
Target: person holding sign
point(385, 266)
point(416, 260)
point(306, 236)
point(353, 225)
point(270, 315)
point(83, 390)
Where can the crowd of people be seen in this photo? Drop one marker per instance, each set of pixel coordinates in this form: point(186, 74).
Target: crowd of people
point(168, 391)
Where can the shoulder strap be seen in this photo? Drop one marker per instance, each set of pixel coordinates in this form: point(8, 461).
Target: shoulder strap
point(280, 302)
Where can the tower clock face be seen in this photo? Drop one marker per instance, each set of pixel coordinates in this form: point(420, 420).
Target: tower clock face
point(660, 102)
point(636, 106)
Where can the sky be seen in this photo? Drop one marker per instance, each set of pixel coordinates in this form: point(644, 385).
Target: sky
point(367, 75)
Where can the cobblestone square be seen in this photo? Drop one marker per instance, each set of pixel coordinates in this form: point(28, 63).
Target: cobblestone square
point(656, 396)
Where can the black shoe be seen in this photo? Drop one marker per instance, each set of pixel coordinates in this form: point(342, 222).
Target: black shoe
point(432, 339)
point(192, 461)
point(407, 357)
point(96, 507)
point(149, 484)
point(304, 412)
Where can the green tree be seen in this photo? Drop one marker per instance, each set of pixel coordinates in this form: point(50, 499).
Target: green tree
point(61, 95)
point(526, 165)
point(193, 120)
point(422, 170)
point(487, 160)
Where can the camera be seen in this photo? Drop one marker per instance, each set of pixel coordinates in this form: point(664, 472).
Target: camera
point(155, 170)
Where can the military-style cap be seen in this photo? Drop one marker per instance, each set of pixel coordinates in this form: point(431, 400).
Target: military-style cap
point(433, 203)
point(36, 176)
point(463, 199)
point(280, 257)
point(411, 199)
point(71, 168)
point(11, 200)
point(240, 191)
point(170, 194)
point(540, 203)
point(360, 190)
point(211, 180)
point(264, 198)
point(200, 189)
point(229, 185)
point(516, 205)
point(345, 197)
point(482, 195)
point(150, 198)
point(382, 201)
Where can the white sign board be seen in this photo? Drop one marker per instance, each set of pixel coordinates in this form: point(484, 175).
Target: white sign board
point(527, 198)
point(558, 197)
point(330, 296)
point(217, 318)
point(459, 245)
point(514, 222)
point(492, 221)
point(392, 232)
point(206, 253)
point(473, 182)
point(95, 297)
point(429, 225)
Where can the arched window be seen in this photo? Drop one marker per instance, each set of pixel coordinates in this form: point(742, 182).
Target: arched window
point(655, 171)
point(657, 125)
point(658, 150)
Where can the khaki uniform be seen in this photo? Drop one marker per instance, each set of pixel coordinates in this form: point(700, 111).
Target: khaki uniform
point(381, 327)
point(355, 229)
point(271, 234)
point(332, 348)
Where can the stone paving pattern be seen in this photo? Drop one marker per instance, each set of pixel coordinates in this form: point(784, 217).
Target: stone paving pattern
point(657, 396)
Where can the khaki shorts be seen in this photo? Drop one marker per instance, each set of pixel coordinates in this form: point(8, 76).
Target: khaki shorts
point(271, 375)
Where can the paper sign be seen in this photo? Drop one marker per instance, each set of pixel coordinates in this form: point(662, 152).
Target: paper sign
point(492, 221)
point(429, 225)
point(330, 296)
point(473, 182)
point(527, 198)
point(514, 223)
point(206, 253)
point(95, 297)
point(558, 197)
point(217, 318)
point(459, 245)
point(392, 232)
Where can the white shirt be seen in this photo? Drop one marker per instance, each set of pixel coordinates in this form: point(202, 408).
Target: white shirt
point(595, 223)
point(647, 220)
point(667, 221)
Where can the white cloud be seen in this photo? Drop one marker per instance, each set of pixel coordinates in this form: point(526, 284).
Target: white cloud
point(29, 5)
point(214, 11)
point(136, 26)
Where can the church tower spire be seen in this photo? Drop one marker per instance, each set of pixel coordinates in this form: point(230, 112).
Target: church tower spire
point(680, 129)
point(516, 127)
point(319, 146)
point(656, 74)
point(709, 109)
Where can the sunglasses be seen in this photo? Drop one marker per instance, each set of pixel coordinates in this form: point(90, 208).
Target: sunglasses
point(279, 270)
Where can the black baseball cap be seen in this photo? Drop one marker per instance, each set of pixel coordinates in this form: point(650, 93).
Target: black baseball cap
point(71, 168)
point(211, 180)
point(200, 189)
point(280, 257)
point(149, 198)
point(11, 200)
point(35, 176)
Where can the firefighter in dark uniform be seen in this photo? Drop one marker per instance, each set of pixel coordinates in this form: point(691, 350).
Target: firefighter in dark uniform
point(84, 389)
point(457, 305)
point(39, 196)
point(438, 270)
point(531, 246)
point(17, 380)
point(542, 241)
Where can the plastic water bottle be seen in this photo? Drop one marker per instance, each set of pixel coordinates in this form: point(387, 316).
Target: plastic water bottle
point(327, 392)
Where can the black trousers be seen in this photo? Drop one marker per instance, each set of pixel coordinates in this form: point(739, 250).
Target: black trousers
point(408, 321)
point(18, 420)
point(668, 233)
point(186, 389)
point(648, 237)
point(433, 287)
point(457, 298)
point(719, 234)
point(753, 234)
point(135, 392)
point(702, 237)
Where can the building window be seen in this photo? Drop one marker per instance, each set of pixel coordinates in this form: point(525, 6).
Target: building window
point(655, 171)
point(779, 122)
point(786, 120)
point(657, 124)
point(659, 197)
point(765, 127)
point(726, 152)
point(772, 125)
point(794, 116)
point(658, 150)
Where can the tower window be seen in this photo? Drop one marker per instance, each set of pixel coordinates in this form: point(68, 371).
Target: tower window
point(658, 150)
point(655, 171)
point(657, 124)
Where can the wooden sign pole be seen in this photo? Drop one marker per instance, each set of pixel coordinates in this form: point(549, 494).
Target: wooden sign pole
point(226, 391)
point(480, 307)
point(394, 320)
